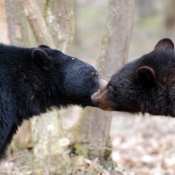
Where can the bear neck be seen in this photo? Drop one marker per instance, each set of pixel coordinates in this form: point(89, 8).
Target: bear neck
point(160, 102)
point(34, 91)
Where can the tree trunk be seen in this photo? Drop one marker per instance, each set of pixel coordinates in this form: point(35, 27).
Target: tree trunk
point(95, 125)
point(19, 29)
point(3, 24)
point(36, 21)
point(169, 19)
point(59, 17)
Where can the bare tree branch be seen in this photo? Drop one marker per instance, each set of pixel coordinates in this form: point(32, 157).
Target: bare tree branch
point(37, 22)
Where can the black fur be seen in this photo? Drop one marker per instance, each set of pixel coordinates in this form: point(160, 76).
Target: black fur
point(146, 84)
point(34, 79)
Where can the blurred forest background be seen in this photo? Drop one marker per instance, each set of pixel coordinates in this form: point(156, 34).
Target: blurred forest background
point(90, 141)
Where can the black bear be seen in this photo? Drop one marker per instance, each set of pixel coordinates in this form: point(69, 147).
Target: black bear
point(146, 84)
point(34, 79)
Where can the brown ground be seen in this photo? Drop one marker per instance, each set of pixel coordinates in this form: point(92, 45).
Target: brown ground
point(144, 145)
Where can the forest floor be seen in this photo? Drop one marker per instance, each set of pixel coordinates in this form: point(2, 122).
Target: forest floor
point(142, 145)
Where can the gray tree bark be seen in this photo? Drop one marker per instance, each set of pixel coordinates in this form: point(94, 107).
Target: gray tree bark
point(3, 23)
point(169, 19)
point(95, 125)
point(36, 21)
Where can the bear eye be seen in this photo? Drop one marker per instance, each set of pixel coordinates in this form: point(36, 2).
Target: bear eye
point(95, 74)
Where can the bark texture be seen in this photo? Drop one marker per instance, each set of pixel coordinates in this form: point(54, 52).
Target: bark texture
point(95, 124)
point(3, 23)
point(36, 21)
point(115, 42)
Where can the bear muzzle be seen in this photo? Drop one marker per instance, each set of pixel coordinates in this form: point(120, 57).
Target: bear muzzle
point(99, 99)
point(102, 82)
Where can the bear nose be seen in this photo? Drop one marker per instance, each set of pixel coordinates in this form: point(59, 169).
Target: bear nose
point(94, 99)
point(102, 82)
point(99, 99)
point(98, 96)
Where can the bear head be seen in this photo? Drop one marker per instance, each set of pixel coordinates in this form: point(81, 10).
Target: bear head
point(146, 84)
point(71, 81)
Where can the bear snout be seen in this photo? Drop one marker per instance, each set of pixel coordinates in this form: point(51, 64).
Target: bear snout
point(102, 82)
point(99, 99)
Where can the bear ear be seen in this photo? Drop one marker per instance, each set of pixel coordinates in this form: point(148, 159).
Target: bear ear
point(41, 59)
point(164, 44)
point(44, 46)
point(146, 76)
